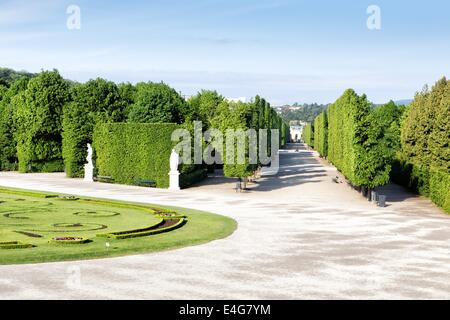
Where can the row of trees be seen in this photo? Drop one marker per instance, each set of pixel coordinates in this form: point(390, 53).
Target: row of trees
point(256, 115)
point(372, 145)
point(46, 121)
point(308, 134)
point(424, 161)
point(321, 134)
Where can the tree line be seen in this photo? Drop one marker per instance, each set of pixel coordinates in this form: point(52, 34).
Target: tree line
point(373, 145)
point(46, 121)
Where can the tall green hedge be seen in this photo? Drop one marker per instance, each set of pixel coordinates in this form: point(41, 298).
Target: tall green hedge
point(425, 137)
point(129, 152)
point(321, 134)
point(347, 119)
point(440, 188)
point(237, 116)
point(380, 143)
point(360, 140)
point(244, 116)
point(308, 135)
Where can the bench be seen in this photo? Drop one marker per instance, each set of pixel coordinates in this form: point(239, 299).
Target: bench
point(145, 183)
point(105, 179)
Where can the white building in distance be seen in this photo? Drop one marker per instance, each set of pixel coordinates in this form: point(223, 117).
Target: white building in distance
point(296, 133)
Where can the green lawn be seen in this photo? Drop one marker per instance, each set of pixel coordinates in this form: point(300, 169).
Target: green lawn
point(33, 218)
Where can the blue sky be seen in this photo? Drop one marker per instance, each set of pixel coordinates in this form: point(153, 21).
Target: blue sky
point(284, 50)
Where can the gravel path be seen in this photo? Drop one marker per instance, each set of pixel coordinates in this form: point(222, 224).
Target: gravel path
point(300, 236)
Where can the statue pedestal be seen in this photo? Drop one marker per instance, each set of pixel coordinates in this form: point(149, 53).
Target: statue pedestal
point(174, 182)
point(88, 173)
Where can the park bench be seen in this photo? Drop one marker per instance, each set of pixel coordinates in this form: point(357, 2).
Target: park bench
point(145, 183)
point(105, 179)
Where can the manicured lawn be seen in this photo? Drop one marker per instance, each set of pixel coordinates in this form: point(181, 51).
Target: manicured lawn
point(29, 218)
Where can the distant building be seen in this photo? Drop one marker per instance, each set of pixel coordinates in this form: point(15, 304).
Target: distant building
point(296, 133)
point(280, 109)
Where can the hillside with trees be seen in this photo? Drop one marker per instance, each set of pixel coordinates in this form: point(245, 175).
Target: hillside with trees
point(306, 113)
point(9, 76)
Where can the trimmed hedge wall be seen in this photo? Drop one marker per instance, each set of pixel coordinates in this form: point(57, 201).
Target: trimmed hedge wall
point(308, 135)
point(424, 163)
point(321, 134)
point(440, 188)
point(348, 147)
point(433, 183)
point(128, 152)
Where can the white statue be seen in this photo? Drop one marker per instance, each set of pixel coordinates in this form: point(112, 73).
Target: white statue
point(174, 161)
point(174, 174)
point(89, 166)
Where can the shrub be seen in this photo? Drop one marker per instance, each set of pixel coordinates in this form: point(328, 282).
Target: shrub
point(131, 152)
